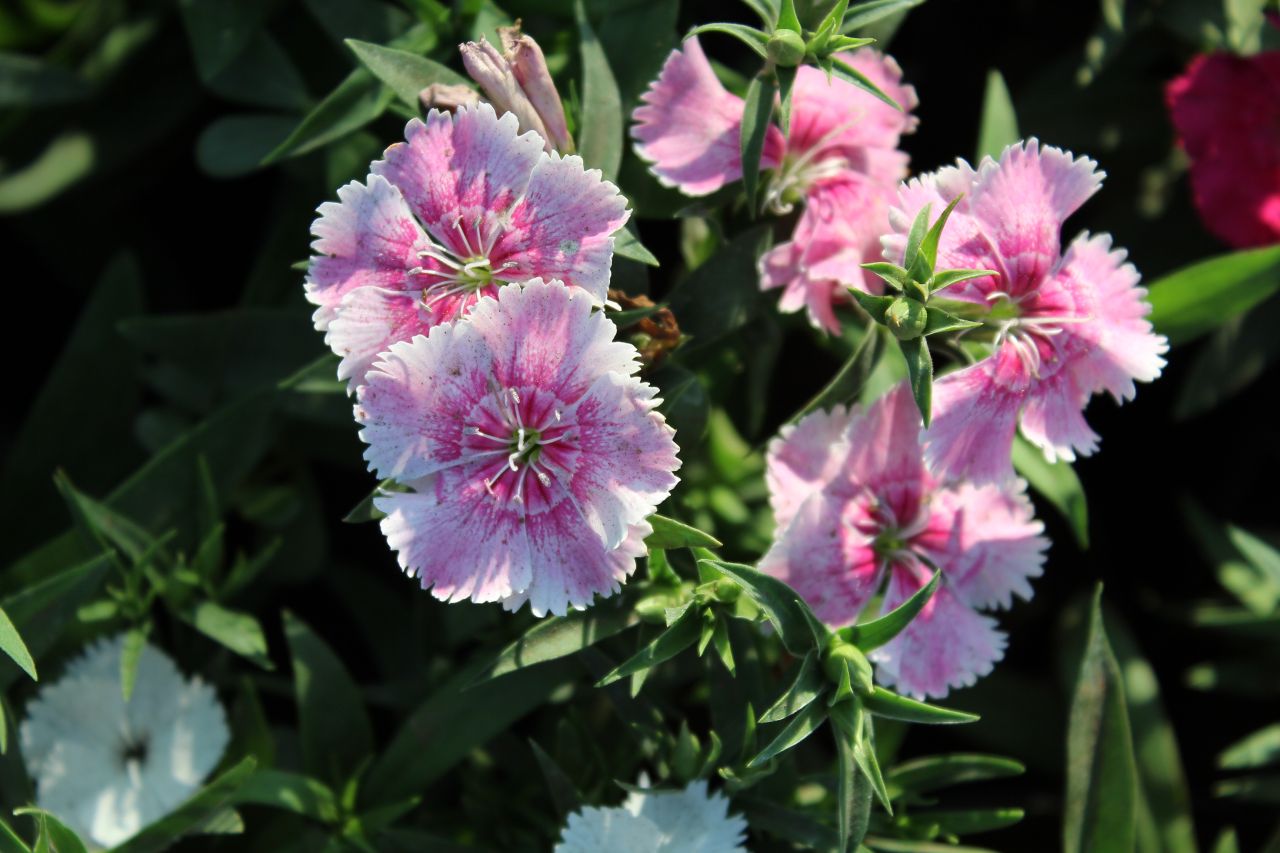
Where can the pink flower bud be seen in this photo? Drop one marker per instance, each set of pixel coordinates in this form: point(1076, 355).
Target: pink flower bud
point(517, 81)
point(447, 96)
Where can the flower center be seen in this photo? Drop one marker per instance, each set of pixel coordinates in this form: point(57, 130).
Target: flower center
point(133, 750)
point(1025, 332)
point(518, 445)
point(466, 267)
point(788, 183)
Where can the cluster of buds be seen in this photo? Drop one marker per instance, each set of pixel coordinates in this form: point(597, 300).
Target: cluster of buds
point(516, 80)
point(908, 314)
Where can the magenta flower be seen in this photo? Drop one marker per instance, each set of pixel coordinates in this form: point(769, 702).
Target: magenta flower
point(840, 156)
point(534, 453)
point(1227, 113)
point(1067, 324)
point(857, 508)
point(465, 205)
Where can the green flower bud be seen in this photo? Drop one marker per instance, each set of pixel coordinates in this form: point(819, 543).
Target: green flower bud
point(727, 591)
point(906, 318)
point(841, 655)
point(786, 48)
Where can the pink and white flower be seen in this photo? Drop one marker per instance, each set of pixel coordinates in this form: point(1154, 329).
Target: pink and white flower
point(840, 155)
point(463, 206)
point(534, 453)
point(1067, 324)
point(857, 508)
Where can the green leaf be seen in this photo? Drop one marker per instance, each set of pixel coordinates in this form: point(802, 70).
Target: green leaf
point(761, 93)
point(192, 814)
point(135, 640)
point(915, 236)
point(939, 322)
point(1198, 298)
point(12, 645)
point(946, 278)
point(1259, 749)
point(807, 686)
point(238, 631)
point(849, 74)
point(102, 525)
point(557, 637)
point(262, 76)
point(893, 275)
point(787, 18)
point(235, 145)
point(874, 634)
point(801, 726)
point(52, 835)
point(684, 401)
point(601, 130)
point(875, 306)
point(922, 775)
point(26, 81)
point(853, 798)
point(627, 245)
point(852, 376)
point(669, 533)
point(1057, 483)
point(882, 703)
point(281, 789)
point(1239, 352)
point(564, 795)
point(862, 14)
point(66, 160)
point(929, 245)
point(219, 31)
point(681, 634)
point(999, 126)
point(403, 72)
point(967, 822)
point(919, 374)
point(723, 294)
point(779, 603)
point(355, 102)
point(749, 36)
point(786, 82)
point(10, 841)
point(1100, 809)
point(332, 723)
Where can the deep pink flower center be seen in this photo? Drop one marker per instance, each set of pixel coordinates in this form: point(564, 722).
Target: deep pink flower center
point(1029, 326)
point(894, 519)
point(520, 442)
point(462, 260)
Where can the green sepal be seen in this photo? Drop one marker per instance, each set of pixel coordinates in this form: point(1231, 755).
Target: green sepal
point(874, 634)
point(893, 275)
point(946, 278)
point(884, 703)
point(803, 725)
point(786, 81)
point(682, 633)
point(750, 36)
point(707, 631)
point(876, 306)
point(915, 236)
point(840, 44)
point(807, 686)
point(849, 721)
point(849, 74)
point(787, 17)
point(720, 642)
point(939, 321)
point(929, 246)
point(820, 43)
point(920, 374)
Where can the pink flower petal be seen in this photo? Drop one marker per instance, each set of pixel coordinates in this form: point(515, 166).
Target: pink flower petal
point(570, 564)
point(884, 446)
point(561, 227)
point(689, 126)
point(974, 421)
point(490, 563)
point(839, 119)
point(1021, 202)
point(627, 456)
point(454, 164)
point(803, 458)
point(368, 321)
point(825, 558)
point(368, 238)
point(946, 646)
point(988, 542)
point(1226, 110)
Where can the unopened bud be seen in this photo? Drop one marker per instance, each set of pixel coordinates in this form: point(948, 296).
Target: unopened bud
point(786, 48)
point(841, 656)
point(447, 96)
point(516, 81)
point(906, 318)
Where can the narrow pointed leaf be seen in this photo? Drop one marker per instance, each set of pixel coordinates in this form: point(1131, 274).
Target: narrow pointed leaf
point(1100, 811)
point(876, 306)
point(929, 245)
point(628, 245)
point(847, 72)
point(234, 629)
point(849, 381)
point(831, 22)
point(1057, 483)
point(915, 236)
point(780, 603)
point(749, 36)
point(946, 278)
point(755, 126)
point(807, 686)
point(874, 634)
point(1198, 298)
point(669, 533)
point(883, 703)
point(405, 73)
point(939, 321)
point(999, 125)
point(600, 133)
point(723, 647)
point(786, 80)
point(130, 655)
point(564, 794)
point(800, 727)
point(893, 275)
point(862, 14)
point(853, 798)
point(192, 814)
point(787, 18)
point(558, 637)
point(920, 374)
point(12, 645)
point(921, 775)
point(679, 636)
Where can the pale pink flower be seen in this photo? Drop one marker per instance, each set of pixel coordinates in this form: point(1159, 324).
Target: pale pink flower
point(840, 156)
point(465, 205)
point(534, 453)
point(1068, 324)
point(857, 508)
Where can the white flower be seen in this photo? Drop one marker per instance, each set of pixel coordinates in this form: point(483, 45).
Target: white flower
point(686, 821)
point(108, 768)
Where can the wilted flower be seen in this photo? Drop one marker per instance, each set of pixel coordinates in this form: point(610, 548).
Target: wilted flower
point(447, 97)
point(534, 454)
point(466, 205)
point(108, 767)
point(517, 81)
point(840, 155)
point(684, 821)
point(855, 502)
point(1067, 325)
point(1226, 110)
